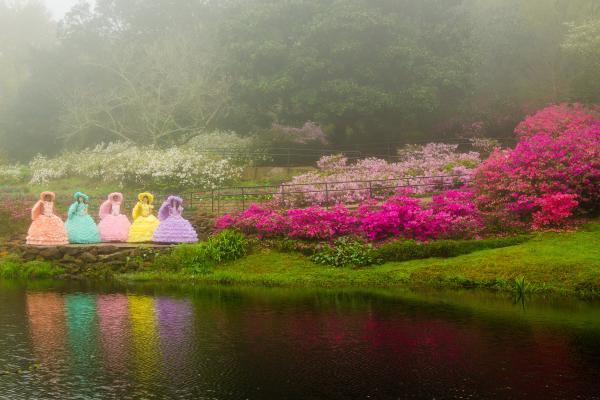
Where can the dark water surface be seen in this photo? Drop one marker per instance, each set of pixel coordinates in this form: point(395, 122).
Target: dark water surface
point(62, 341)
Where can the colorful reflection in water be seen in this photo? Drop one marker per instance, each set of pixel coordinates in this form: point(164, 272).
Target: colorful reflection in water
point(113, 323)
point(47, 326)
point(259, 344)
point(144, 338)
point(82, 332)
point(176, 331)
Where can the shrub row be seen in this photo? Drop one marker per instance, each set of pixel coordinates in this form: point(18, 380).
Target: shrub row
point(404, 250)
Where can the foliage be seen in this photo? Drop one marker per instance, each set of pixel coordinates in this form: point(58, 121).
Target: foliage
point(450, 215)
point(11, 174)
point(124, 164)
point(292, 61)
point(245, 150)
point(548, 176)
point(404, 250)
point(228, 245)
point(224, 247)
point(366, 72)
point(14, 268)
point(346, 252)
point(428, 167)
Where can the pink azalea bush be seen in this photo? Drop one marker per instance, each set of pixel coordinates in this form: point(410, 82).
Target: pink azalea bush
point(428, 168)
point(15, 215)
point(450, 215)
point(558, 119)
point(549, 175)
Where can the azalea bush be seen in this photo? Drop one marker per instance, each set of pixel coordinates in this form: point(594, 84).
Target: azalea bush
point(552, 172)
point(125, 164)
point(450, 215)
point(558, 119)
point(429, 168)
point(14, 215)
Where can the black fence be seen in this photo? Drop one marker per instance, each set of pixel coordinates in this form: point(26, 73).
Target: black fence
point(327, 194)
point(232, 199)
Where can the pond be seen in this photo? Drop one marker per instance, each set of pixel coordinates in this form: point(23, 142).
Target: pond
point(82, 341)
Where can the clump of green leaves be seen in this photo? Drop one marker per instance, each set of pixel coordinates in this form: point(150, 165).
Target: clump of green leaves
point(15, 268)
point(347, 252)
point(226, 246)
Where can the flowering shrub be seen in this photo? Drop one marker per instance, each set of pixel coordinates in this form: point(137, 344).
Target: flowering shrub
point(14, 215)
point(451, 215)
point(554, 209)
point(558, 119)
point(124, 163)
point(548, 175)
point(425, 168)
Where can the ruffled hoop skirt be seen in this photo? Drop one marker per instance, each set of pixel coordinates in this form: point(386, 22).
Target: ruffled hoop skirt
point(47, 231)
point(114, 228)
point(175, 229)
point(82, 229)
point(143, 229)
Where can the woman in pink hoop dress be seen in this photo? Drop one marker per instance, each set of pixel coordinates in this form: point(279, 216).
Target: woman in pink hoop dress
point(46, 229)
point(113, 226)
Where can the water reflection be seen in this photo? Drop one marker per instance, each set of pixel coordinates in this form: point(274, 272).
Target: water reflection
point(285, 344)
point(47, 326)
point(113, 321)
point(82, 334)
point(144, 338)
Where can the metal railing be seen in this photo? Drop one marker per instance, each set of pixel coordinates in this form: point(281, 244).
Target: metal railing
point(327, 194)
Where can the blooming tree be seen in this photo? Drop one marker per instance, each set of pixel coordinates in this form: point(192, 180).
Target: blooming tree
point(427, 168)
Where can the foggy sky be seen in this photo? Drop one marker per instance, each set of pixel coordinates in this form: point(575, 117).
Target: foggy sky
point(59, 8)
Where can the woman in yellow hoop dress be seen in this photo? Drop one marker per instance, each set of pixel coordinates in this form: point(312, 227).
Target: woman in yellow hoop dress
point(144, 221)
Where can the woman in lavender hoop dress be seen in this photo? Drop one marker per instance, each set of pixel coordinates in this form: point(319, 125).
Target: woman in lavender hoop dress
point(173, 228)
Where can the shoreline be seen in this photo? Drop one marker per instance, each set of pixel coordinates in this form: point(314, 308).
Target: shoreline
point(565, 263)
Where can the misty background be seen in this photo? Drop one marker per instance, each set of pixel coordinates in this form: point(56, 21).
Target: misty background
point(363, 72)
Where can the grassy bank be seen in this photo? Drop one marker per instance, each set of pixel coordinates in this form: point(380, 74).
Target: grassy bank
point(566, 263)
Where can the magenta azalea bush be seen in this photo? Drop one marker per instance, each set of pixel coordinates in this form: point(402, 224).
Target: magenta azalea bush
point(558, 119)
point(450, 215)
point(553, 171)
point(428, 168)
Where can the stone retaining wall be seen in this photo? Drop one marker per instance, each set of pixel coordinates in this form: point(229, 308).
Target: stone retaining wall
point(83, 259)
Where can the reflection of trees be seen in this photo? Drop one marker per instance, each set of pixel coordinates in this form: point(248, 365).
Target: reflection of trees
point(322, 348)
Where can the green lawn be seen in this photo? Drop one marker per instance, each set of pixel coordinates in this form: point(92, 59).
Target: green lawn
point(566, 263)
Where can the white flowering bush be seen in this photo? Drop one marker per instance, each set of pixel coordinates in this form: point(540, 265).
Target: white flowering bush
point(125, 164)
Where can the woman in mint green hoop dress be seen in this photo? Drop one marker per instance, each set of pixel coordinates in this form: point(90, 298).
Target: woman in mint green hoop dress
point(81, 228)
